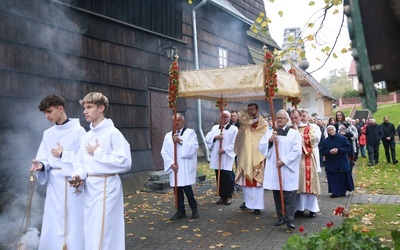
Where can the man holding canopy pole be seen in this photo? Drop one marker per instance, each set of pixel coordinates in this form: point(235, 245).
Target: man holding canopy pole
point(186, 165)
point(289, 146)
point(223, 156)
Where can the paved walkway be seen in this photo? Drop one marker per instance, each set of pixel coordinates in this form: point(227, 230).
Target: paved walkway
point(219, 226)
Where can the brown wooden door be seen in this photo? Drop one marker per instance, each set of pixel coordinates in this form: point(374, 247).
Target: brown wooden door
point(160, 125)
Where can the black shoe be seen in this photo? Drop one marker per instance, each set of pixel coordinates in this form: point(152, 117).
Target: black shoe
point(243, 206)
point(395, 161)
point(279, 222)
point(195, 214)
point(334, 196)
point(290, 225)
point(257, 211)
point(299, 214)
point(312, 215)
point(221, 201)
point(370, 164)
point(228, 201)
point(179, 215)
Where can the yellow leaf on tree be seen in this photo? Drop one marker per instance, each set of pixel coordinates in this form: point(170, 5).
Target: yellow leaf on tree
point(334, 55)
point(280, 13)
point(290, 38)
point(311, 3)
point(335, 11)
point(259, 20)
point(268, 20)
point(254, 29)
point(310, 25)
point(262, 14)
point(264, 24)
point(310, 37)
point(344, 50)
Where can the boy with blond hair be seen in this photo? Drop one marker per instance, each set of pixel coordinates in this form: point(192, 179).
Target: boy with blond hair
point(104, 154)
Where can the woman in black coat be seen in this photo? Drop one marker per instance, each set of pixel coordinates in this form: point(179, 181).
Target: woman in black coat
point(337, 166)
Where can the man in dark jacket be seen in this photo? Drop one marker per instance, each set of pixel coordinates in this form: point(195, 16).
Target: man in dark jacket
point(389, 131)
point(374, 135)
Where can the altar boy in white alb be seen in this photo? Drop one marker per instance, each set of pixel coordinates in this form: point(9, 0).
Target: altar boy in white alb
point(63, 212)
point(289, 149)
point(225, 154)
point(104, 154)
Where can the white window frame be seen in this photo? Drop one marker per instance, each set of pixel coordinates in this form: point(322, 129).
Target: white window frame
point(222, 57)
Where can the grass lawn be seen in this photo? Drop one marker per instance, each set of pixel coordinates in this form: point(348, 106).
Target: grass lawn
point(381, 218)
point(382, 178)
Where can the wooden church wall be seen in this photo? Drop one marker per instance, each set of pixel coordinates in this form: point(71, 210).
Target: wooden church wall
point(47, 47)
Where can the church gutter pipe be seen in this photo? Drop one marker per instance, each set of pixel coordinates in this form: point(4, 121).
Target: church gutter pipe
point(196, 62)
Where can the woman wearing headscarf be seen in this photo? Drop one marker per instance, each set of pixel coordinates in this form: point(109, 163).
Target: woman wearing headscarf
point(337, 166)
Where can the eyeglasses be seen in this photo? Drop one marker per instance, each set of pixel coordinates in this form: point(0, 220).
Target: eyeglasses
point(281, 118)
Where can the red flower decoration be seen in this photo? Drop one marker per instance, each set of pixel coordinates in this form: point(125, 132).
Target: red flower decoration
point(301, 229)
point(173, 83)
point(271, 78)
point(294, 100)
point(329, 224)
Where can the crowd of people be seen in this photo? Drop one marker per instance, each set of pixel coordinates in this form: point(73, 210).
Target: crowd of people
point(84, 200)
point(249, 152)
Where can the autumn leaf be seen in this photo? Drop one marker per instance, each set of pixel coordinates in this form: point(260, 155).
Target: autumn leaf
point(130, 234)
point(257, 229)
point(310, 37)
point(310, 25)
point(311, 3)
point(225, 234)
point(334, 55)
point(235, 246)
point(264, 24)
point(184, 226)
point(259, 20)
point(244, 231)
point(143, 238)
point(344, 50)
point(179, 238)
point(219, 245)
point(280, 13)
point(198, 235)
point(335, 11)
point(196, 229)
point(290, 39)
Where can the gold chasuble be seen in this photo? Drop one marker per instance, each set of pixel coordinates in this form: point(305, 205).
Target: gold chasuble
point(250, 160)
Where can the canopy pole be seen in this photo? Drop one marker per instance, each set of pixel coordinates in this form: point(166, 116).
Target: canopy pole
point(270, 88)
point(221, 125)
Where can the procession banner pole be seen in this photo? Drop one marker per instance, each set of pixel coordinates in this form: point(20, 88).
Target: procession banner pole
point(270, 89)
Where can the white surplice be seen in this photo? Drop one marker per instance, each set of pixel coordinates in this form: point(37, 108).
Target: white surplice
point(289, 148)
point(186, 157)
point(61, 204)
point(104, 226)
point(227, 159)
